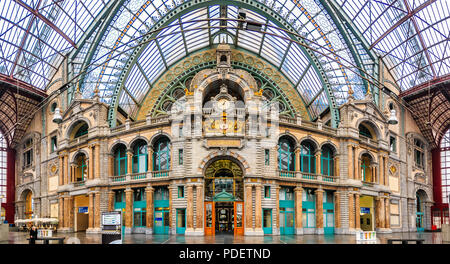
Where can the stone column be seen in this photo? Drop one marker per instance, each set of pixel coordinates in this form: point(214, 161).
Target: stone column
point(336, 166)
point(150, 158)
point(350, 163)
point(387, 221)
point(359, 172)
point(248, 207)
point(97, 161)
point(129, 162)
point(170, 206)
point(298, 210)
point(66, 168)
point(351, 211)
point(61, 170)
point(382, 211)
point(111, 165)
point(357, 169)
point(61, 213)
point(337, 209)
point(319, 210)
point(71, 212)
point(258, 209)
point(297, 159)
point(128, 210)
point(91, 163)
point(357, 212)
point(91, 210)
point(111, 201)
point(377, 212)
point(318, 162)
point(190, 208)
point(199, 216)
point(66, 212)
point(149, 191)
point(385, 172)
point(97, 210)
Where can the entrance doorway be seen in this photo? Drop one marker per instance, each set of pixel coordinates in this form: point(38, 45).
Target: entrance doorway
point(224, 218)
point(419, 214)
point(224, 191)
point(367, 215)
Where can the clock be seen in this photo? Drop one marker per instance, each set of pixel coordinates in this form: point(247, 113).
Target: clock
point(223, 104)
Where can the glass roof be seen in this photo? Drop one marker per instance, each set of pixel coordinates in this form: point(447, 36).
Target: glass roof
point(192, 31)
point(411, 37)
point(37, 34)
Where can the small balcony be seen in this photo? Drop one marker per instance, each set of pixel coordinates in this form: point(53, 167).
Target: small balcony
point(141, 176)
point(307, 177)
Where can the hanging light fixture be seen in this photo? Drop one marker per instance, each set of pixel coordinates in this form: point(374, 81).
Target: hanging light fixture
point(57, 118)
point(393, 118)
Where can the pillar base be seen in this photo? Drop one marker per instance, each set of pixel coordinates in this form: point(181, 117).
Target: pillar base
point(194, 232)
point(128, 230)
point(383, 230)
point(149, 231)
point(93, 230)
point(319, 231)
point(299, 231)
point(253, 232)
point(65, 230)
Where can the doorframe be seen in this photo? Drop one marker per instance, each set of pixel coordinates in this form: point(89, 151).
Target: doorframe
point(182, 229)
point(266, 229)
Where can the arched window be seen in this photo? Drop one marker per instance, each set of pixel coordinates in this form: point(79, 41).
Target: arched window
point(286, 155)
point(366, 170)
point(120, 160)
point(81, 170)
point(364, 131)
point(161, 154)
point(307, 158)
point(327, 161)
point(83, 130)
point(419, 153)
point(140, 157)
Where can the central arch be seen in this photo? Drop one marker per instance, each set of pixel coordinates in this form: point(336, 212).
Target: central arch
point(224, 196)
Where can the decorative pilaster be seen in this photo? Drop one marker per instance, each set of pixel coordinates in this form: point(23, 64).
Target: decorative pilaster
point(190, 208)
point(351, 211)
point(337, 209)
point(319, 210)
point(129, 162)
point(388, 213)
point(97, 161)
point(350, 163)
point(258, 209)
point(110, 201)
point(298, 210)
point(70, 210)
point(128, 210)
point(357, 212)
point(277, 215)
point(91, 163)
point(297, 159)
point(66, 168)
point(61, 213)
point(150, 158)
point(91, 211)
point(61, 170)
point(248, 207)
point(199, 202)
point(336, 166)
point(97, 210)
point(318, 162)
point(149, 191)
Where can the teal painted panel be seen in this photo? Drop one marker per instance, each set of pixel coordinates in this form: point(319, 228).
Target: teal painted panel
point(308, 205)
point(287, 203)
point(329, 206)
point(161, 223)
point(119, 205)
point(161, 203)
point(140, 204)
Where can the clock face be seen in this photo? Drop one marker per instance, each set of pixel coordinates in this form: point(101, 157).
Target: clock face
point(223, 104)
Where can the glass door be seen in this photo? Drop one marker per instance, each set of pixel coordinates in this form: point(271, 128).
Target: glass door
point(267, 221)
point(419, 222)
point(181, 221)
point(238, 218)
point(161, 221)
point(209, 218)
point(286, 221)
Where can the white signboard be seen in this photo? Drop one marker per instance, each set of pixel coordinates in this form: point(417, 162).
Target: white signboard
point(112, 218)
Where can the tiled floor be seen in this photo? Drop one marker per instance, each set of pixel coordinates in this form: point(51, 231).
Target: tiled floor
point(430, 238)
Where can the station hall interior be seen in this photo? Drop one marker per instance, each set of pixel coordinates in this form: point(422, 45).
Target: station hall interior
point(248, 119)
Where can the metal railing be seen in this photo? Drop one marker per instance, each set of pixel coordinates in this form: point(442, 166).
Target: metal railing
point(286, 174)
